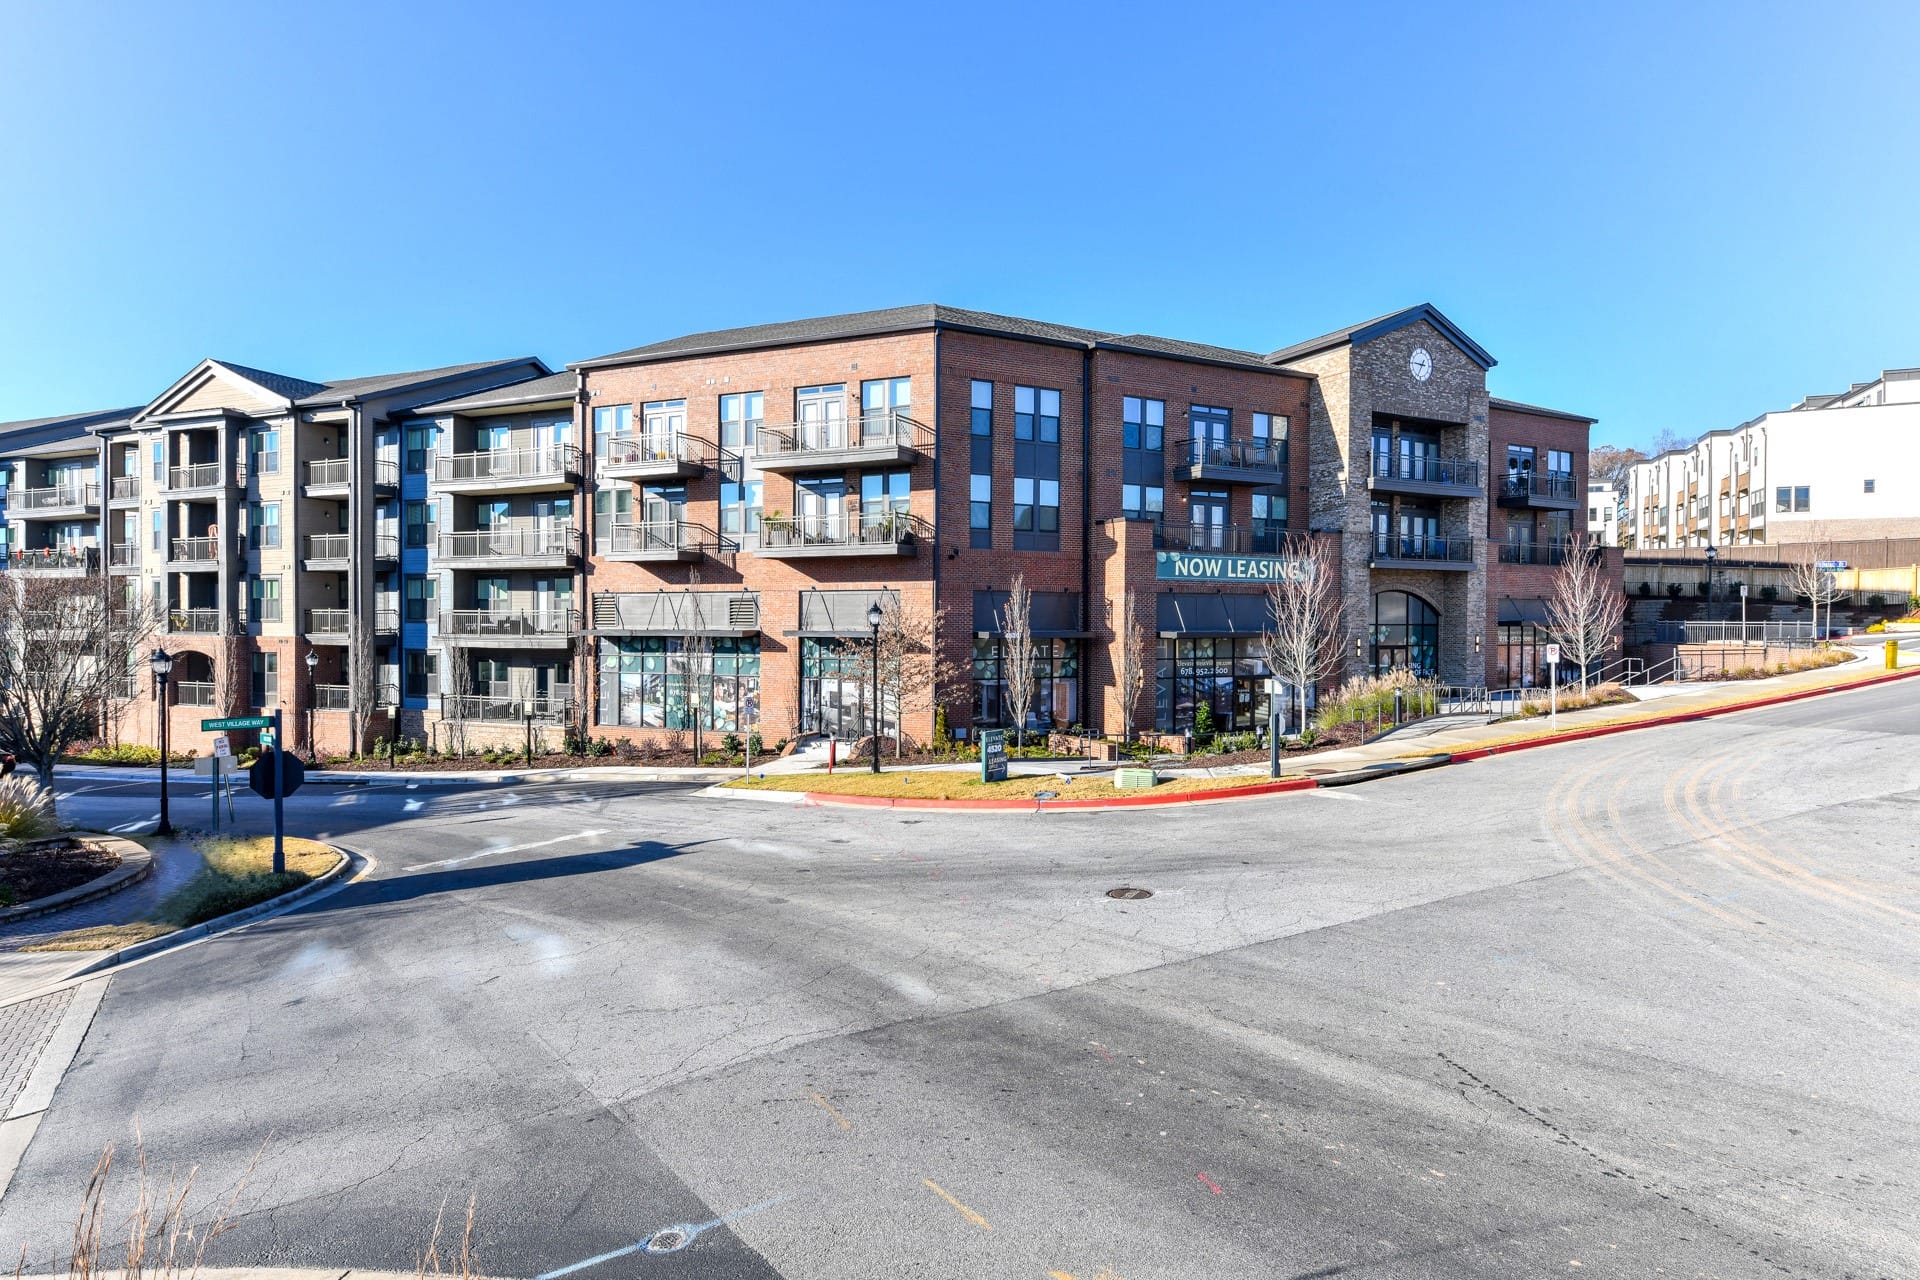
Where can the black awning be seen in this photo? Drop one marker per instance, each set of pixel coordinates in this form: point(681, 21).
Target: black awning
point(1211, 615)
point(1531, 609)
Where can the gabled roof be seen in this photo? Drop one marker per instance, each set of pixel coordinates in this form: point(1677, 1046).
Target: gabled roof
point(335, 391)
point(1201, 351)
point(70, 423)
point(553, 387)
point(284, 392)
point(1518, 407)
point(1368, 330)
point(279, 383)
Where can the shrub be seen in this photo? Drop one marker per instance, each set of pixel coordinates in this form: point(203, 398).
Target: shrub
point(1673, 590)
point(759, 748)
point(1229, 743)
point(1769, 592)
point(1876, 601)
point(1646, 588)
point(1308, 736)
point(1877, 626)
point(1203, 722)
point(731, 744)
point(124, 753)
point(26, 809)
point(1367, 698)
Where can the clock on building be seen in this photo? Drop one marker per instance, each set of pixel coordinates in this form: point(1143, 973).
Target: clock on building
point(1420, 364)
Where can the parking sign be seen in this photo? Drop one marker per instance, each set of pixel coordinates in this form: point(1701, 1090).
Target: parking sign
point(1553, 655)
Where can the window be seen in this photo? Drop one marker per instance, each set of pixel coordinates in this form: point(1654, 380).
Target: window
point(980, 485)
point(1802, 498)
point(739, 508)
point(419, 593)
point(609, 421)
point(1269, 518)
point(740, 417)
point(265, 447)
point(421, 668)
point(1143, 428)
point(883, 493)
point(419, 440)
point(1143, 423)
point(1867, 486)
point(1228, 674)
point(263, 524)
point(644, 682)
point(611, 507)
point(1056, 692)
point(1143, 501)
point(883, 399)
point(1559, 463)
point(419, 523)
point(159, 461)
point(266, 679)
point(159, 530)
point(1406, 633)
point(263, 600)
point(1270, 439)
point(1036, 469)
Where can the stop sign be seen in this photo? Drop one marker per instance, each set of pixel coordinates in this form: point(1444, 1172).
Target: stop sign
point(260, 776)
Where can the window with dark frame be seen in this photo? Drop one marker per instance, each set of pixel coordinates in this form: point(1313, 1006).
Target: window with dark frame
point(980, 465)
point(1143, 429)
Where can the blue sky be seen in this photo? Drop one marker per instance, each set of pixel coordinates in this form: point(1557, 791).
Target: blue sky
point(1669, 217)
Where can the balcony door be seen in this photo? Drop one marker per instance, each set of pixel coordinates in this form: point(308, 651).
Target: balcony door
point(1418, 457)
point(662, 507)
point(552, 602)
point(1419, 530)
point(1207, 512)
point(1211, 428)
point(493, 594)
point(553, 521)
point(820, 414)
point(820, 507)
point(492, 438)
point(661, 426)
point(883, 400)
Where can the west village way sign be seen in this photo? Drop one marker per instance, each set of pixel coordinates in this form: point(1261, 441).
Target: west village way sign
point(1188, 566)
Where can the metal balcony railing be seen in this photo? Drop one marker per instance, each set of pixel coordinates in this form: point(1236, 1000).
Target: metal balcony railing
point(1394, 546)
point(509, 543)
point(537, 462)
point(195, 622)
point(1520, 486)
point(627, 449)
point(123, 688)
point(1427, 469)
point(332, 697)
point(1262, 537)
point(125, 487)
point(58, 497)
point(337, 472)
point(123, 555)
point(551, 709)
point(29, 559)
point(193, 693)
point(201, 475)
point(329, 622)
point(661, 535)
point(195, 550)
point(882, 430)
point(1248, 455)
point(509, 623)
point(843, 529)
point(1549, 553)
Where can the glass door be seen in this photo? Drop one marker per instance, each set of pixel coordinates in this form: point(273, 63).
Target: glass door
point(1211, 428)
point(882, 402)
point(1207, 512)
point(1419, 532)
point(820, 508)
point(662, 427)
point(821, 416)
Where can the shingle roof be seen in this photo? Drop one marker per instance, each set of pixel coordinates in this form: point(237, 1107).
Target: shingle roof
point(339, 389)
point(279, 383)
point(1519, 407)
point(555, 386)
point(78, 421)
point(1367, 330)
point(1189, 351)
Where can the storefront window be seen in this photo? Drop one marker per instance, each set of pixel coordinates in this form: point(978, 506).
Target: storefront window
point(1520, 658)
point(1406, 634)
point(1228, 673)
point(1056, 689)
point(653, 682)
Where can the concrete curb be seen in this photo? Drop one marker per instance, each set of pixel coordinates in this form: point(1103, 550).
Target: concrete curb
point(1366, 773)
point(136, 864)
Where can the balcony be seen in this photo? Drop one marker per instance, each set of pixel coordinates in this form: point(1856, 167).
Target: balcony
point(658, 540)
point(58, 500)
point(193, 622)
point(332, 477)
point(1425, 476)
point(1532, 489)
point(553, 709)
point(194, 553)
point(527, 547)
point(535, 628)
point(201, 475)
point(1263, 537)
point(1541, 553)
point(872, 440)
point(1232, 461)
point(333, 552)
point(65, 562)
point(335, 626)
point(547, 466)
point(893, 533)
point(653, 456)
point(193, 693)
point(332, 697)
point(124, 490)
point(123, 688)
point(1398, 551)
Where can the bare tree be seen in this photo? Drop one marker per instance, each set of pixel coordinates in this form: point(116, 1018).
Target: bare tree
point(913, 668)
point(1805, 576)
point(1135, 658)
point(696, 660)
point(233, 673)
point(1016, 653)
point(1584, 610)
point(1609, 463)
point(456, 705)
point(1303, 640)
point(363, 688)
point(61, 660)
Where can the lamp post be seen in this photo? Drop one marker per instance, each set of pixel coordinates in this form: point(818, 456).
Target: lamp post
point(162, 663)
point(874, 618)
point(313, 701)
point(1713, 555)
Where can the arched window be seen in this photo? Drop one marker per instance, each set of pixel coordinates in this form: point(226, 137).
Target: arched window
point(1406, 633)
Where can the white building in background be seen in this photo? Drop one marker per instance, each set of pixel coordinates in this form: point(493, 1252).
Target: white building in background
point(1603, 515)
point(1846, 466)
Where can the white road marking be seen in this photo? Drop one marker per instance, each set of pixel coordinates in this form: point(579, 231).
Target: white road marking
point(512, 848)
point(414, 806)
point(125, 827)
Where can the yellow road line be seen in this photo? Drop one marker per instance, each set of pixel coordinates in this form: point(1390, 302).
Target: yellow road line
point(828, 1108)
point(965, 1212)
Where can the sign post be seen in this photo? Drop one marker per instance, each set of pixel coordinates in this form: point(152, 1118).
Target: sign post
point(275, 777)
point(1273, 727)
point(1743, 615)
point(1553, 688)
point(993, 755)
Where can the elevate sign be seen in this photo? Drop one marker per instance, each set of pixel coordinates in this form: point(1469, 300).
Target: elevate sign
point(1195, 566)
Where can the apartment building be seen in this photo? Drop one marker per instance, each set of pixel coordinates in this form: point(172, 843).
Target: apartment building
point(1603, 515)
point(1838, 466)
point(50, 492)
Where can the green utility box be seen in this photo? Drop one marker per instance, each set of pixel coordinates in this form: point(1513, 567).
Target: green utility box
point(1133, 778)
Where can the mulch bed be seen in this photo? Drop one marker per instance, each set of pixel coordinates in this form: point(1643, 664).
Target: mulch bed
point(46, 870)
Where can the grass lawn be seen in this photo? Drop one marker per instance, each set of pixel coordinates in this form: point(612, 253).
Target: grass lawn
point(238, 875)
point(953, 785)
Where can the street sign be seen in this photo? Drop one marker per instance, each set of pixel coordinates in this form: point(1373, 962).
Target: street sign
point(1831, 566)
point(1553, 655)
point(993, 755)
point(266, 740)
point(1743, 591)
point(261, 775)
point(237, 722)
point(221, 747)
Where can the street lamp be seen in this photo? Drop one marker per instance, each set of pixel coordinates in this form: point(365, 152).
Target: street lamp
point(313, 660)
point(874, 618)
point(162, 663)
point(1713, 554)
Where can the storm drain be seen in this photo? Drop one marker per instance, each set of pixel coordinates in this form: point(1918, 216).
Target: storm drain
point(669, 1240)
point(1127, 893)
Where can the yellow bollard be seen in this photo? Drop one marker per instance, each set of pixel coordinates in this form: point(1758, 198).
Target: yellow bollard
point(1893, 654)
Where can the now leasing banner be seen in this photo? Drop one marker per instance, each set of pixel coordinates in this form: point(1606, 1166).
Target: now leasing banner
point(1199, 566)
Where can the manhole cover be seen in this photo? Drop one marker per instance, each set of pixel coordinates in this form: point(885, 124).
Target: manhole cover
point(1129, 894)
point(669, 1240)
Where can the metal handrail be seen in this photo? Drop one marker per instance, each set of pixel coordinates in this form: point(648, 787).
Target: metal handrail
point(332, 697)
point(201, 475)
point(1254, 455)
point(198, 622)
point(1265, 537)
point(1427, 468)
point(329, 546)
point(193, 693)
point(122, 555)
point(1549, 553)
point(536, 540)
point(56, 496)
point(508, 623)
point(662, 535)
point(1536, 484)
point(329, 622)
point(30, 558)
point(526, 463)
point(549, 709)
point(632, 448)
point(1392, 546)
point(891, 528)
point(336, 471)
point(878, 430)
point(125, 487)
point(195, 550)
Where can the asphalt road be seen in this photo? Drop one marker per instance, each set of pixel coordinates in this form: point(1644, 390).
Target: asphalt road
point(1632, 1007)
